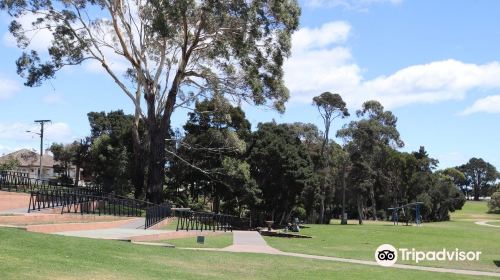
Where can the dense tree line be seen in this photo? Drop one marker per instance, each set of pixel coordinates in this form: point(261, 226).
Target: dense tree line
point(287, 170)
point(217, 163)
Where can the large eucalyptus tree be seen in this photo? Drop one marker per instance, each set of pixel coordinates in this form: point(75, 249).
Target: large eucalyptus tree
point(367, 140)
point(174, 52)
point(330, 106)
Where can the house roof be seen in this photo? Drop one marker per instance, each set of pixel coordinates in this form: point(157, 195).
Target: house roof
point(29, 158)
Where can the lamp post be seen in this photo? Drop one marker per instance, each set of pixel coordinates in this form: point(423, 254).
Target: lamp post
point(42, 123)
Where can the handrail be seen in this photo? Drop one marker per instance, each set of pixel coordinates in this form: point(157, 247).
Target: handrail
point(19, 181)
point(157, 213)
point(197, 220)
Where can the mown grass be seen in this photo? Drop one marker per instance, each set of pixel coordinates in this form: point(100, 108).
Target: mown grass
point(475, 210)
point(26, 255)
point(215, 241)
point(359, 242)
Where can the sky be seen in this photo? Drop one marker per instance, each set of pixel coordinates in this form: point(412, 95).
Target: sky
point(434, 64)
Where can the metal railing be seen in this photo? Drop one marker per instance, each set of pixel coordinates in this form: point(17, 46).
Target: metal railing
point(91, 200)
point(21, 182)
point(84, 200)
point(157, 213)
point(192, 220)
point(103, 205)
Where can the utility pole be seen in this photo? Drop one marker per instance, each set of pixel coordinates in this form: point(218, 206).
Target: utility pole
point(42, 123)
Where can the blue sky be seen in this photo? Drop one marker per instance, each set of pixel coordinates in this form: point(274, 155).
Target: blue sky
point(435, 64)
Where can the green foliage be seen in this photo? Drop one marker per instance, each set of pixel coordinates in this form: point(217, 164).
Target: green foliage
point(211, 48)
point(10, 164)
point(109, 160)
point(209, 159)
point(368, 141)
point(330, 106)
point(458, 178)
point(282, 168)
point(494, 203)
point(480, 176)
point(69, 156)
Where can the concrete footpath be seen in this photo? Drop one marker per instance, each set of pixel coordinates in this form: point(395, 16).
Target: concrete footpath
point(249, 242)
point(485, 223)
point(112, 233)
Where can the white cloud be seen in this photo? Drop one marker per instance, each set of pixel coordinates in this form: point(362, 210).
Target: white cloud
point(8, 88)
point(319, 65)
point(330, 33)
point(348, 4)
point(489, 104)
point(54, 132)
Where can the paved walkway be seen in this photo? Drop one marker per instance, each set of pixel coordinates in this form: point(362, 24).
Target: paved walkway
point(249, 242)
point(113, 233)
point(15, 211)
point(137, 223)
point(485, 223)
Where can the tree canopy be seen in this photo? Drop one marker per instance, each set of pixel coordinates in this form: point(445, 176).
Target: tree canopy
point(174, 52)
point(480, 176)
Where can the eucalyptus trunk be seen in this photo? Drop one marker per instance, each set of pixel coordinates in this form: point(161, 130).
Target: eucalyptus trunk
point(322, 207)
point(374, 205)
point(139, 165)
point(158, 128)
point(360, 209)
point(157, 156)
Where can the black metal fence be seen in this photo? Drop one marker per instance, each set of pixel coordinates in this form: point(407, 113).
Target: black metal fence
point(157, 213)
point(21, 182)
point(103, 205)
point(91, 200)
point(82, 202)
point(192, 220)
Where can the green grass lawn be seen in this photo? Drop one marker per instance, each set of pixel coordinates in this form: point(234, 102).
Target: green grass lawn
point(26, 255)
point(495, 223)
point(216, 241)
point(474, 210)
point(359, 242)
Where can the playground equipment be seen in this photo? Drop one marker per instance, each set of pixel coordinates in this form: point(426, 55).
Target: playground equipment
point(404, 208)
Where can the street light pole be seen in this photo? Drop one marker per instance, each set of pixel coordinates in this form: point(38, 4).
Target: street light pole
point(42, 123)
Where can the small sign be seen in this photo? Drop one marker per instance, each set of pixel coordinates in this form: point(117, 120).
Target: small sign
point(200, 239)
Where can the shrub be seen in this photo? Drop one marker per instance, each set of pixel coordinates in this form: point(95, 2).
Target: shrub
point(494, 203)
